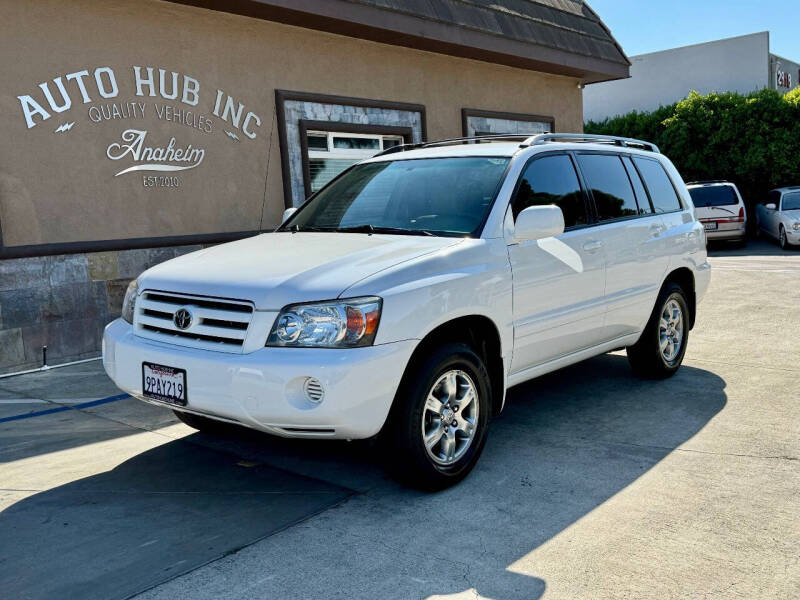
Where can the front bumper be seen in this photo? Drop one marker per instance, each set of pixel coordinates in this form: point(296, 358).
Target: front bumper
point(264, 389)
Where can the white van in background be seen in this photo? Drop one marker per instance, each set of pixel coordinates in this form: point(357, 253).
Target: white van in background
point(719, 207)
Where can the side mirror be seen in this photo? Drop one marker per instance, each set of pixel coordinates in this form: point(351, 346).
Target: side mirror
point(288, 213)
point(537, 222)
point(770, 206)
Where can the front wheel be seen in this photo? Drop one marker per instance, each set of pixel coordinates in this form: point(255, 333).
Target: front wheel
point(437, 426)
point(782, 239)
point(659, 352)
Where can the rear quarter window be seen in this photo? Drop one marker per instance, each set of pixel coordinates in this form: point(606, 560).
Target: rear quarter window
point(662, 192)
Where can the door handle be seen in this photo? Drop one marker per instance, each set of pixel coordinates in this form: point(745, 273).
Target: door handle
point(657, 229)
point(592, 246)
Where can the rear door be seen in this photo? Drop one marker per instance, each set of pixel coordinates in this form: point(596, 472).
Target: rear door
point(631, 233)
point(558, 282)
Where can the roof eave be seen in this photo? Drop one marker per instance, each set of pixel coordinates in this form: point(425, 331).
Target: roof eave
point(374, 24)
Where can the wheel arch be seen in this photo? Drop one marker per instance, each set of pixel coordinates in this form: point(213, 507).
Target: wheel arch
point(684, 277)
point(482, 335)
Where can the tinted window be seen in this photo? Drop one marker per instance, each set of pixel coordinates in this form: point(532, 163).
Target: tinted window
point(641, 194)
point(611, 188)
point(791, 201)
point(713, 195)
point(662, 193)
point(444, 196)
point(552, 180)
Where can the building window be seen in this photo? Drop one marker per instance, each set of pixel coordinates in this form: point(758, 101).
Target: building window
point(330, 153)
point(324, 129)
point(485, 122)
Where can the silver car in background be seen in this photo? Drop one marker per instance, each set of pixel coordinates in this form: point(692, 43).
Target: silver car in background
point(779, 216)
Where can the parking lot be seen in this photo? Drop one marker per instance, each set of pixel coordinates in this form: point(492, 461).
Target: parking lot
point(593, 484)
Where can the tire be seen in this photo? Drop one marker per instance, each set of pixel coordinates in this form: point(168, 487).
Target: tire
point(646, 357)
point(203, 424)
point(782, 241)
point(412, 417)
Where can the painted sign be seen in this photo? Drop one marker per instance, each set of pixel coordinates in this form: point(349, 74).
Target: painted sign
point(784, 79)
point(166, 96)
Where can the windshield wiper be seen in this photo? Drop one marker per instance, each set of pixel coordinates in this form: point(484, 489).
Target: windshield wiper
point(367, 228)
point(298, 228)
point(720, 208)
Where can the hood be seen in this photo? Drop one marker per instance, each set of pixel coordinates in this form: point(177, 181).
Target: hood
point(276, 269)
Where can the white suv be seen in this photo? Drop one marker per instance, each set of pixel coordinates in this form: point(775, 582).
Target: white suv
point(406, 296)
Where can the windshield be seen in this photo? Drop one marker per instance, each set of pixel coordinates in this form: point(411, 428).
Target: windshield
point(429, 196)
point(791, 201)
point(713, 195)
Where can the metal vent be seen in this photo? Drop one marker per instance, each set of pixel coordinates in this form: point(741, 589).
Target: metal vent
point(209, 323)
point(314, 390)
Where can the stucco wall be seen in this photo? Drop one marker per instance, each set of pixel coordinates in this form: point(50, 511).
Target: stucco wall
point(62, 186)
point(739, 64)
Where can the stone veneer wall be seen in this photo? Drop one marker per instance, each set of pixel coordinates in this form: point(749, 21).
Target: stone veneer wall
point(337, 113)
point(64, 302)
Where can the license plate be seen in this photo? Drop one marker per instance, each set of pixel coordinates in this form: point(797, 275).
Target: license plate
point(166, 384)
point(712, 225)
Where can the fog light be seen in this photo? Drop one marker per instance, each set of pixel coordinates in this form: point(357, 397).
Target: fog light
point(314, 390)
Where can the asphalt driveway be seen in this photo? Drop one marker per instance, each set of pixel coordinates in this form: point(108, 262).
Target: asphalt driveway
point(593, 484)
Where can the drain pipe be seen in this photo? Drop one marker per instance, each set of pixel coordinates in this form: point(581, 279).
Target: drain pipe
point(46, 367)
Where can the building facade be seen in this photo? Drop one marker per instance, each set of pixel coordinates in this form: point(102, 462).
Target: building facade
point(741, 64)
point(136, 130)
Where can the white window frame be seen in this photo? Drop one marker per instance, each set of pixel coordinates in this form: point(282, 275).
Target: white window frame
point(345, 153)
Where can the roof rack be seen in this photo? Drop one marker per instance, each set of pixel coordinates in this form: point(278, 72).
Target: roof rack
point(530, 140)
point(589, 138)
point(459, 140)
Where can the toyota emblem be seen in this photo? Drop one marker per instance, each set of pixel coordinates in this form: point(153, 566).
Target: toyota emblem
point(182, 318)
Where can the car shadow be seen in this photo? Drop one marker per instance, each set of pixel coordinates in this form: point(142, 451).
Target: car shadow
point(762, 246)
point(565, 444)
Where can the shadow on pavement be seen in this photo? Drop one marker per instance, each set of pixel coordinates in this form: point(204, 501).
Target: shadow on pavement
point(762, 246)
point(155, 516)
point(566, 443)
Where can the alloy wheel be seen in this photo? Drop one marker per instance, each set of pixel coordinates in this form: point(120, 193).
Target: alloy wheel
point(450, 417)
point(671, 330)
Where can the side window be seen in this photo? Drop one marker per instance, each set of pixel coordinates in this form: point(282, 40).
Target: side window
point(645, 208)
point(611, 188)
point(552, 180)
point(662, 192)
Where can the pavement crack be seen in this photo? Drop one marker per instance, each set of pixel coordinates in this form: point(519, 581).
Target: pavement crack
point(749, 365)
point(738, 455)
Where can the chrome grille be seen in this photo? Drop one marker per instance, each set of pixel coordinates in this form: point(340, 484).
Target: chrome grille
point(212, 324)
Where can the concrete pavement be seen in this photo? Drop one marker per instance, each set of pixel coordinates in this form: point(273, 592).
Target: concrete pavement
point(593, 484)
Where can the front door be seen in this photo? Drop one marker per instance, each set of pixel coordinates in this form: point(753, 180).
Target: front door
point(559, 282)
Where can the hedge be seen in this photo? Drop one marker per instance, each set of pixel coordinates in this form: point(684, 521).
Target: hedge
point(752, 140)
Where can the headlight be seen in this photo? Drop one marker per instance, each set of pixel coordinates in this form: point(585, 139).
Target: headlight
point(335, 324)
point(796, 225)
point(129, 303)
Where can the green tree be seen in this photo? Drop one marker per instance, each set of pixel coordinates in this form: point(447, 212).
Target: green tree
point(752, 140)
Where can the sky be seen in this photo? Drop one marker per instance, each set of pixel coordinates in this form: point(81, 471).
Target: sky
point(642, 26)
